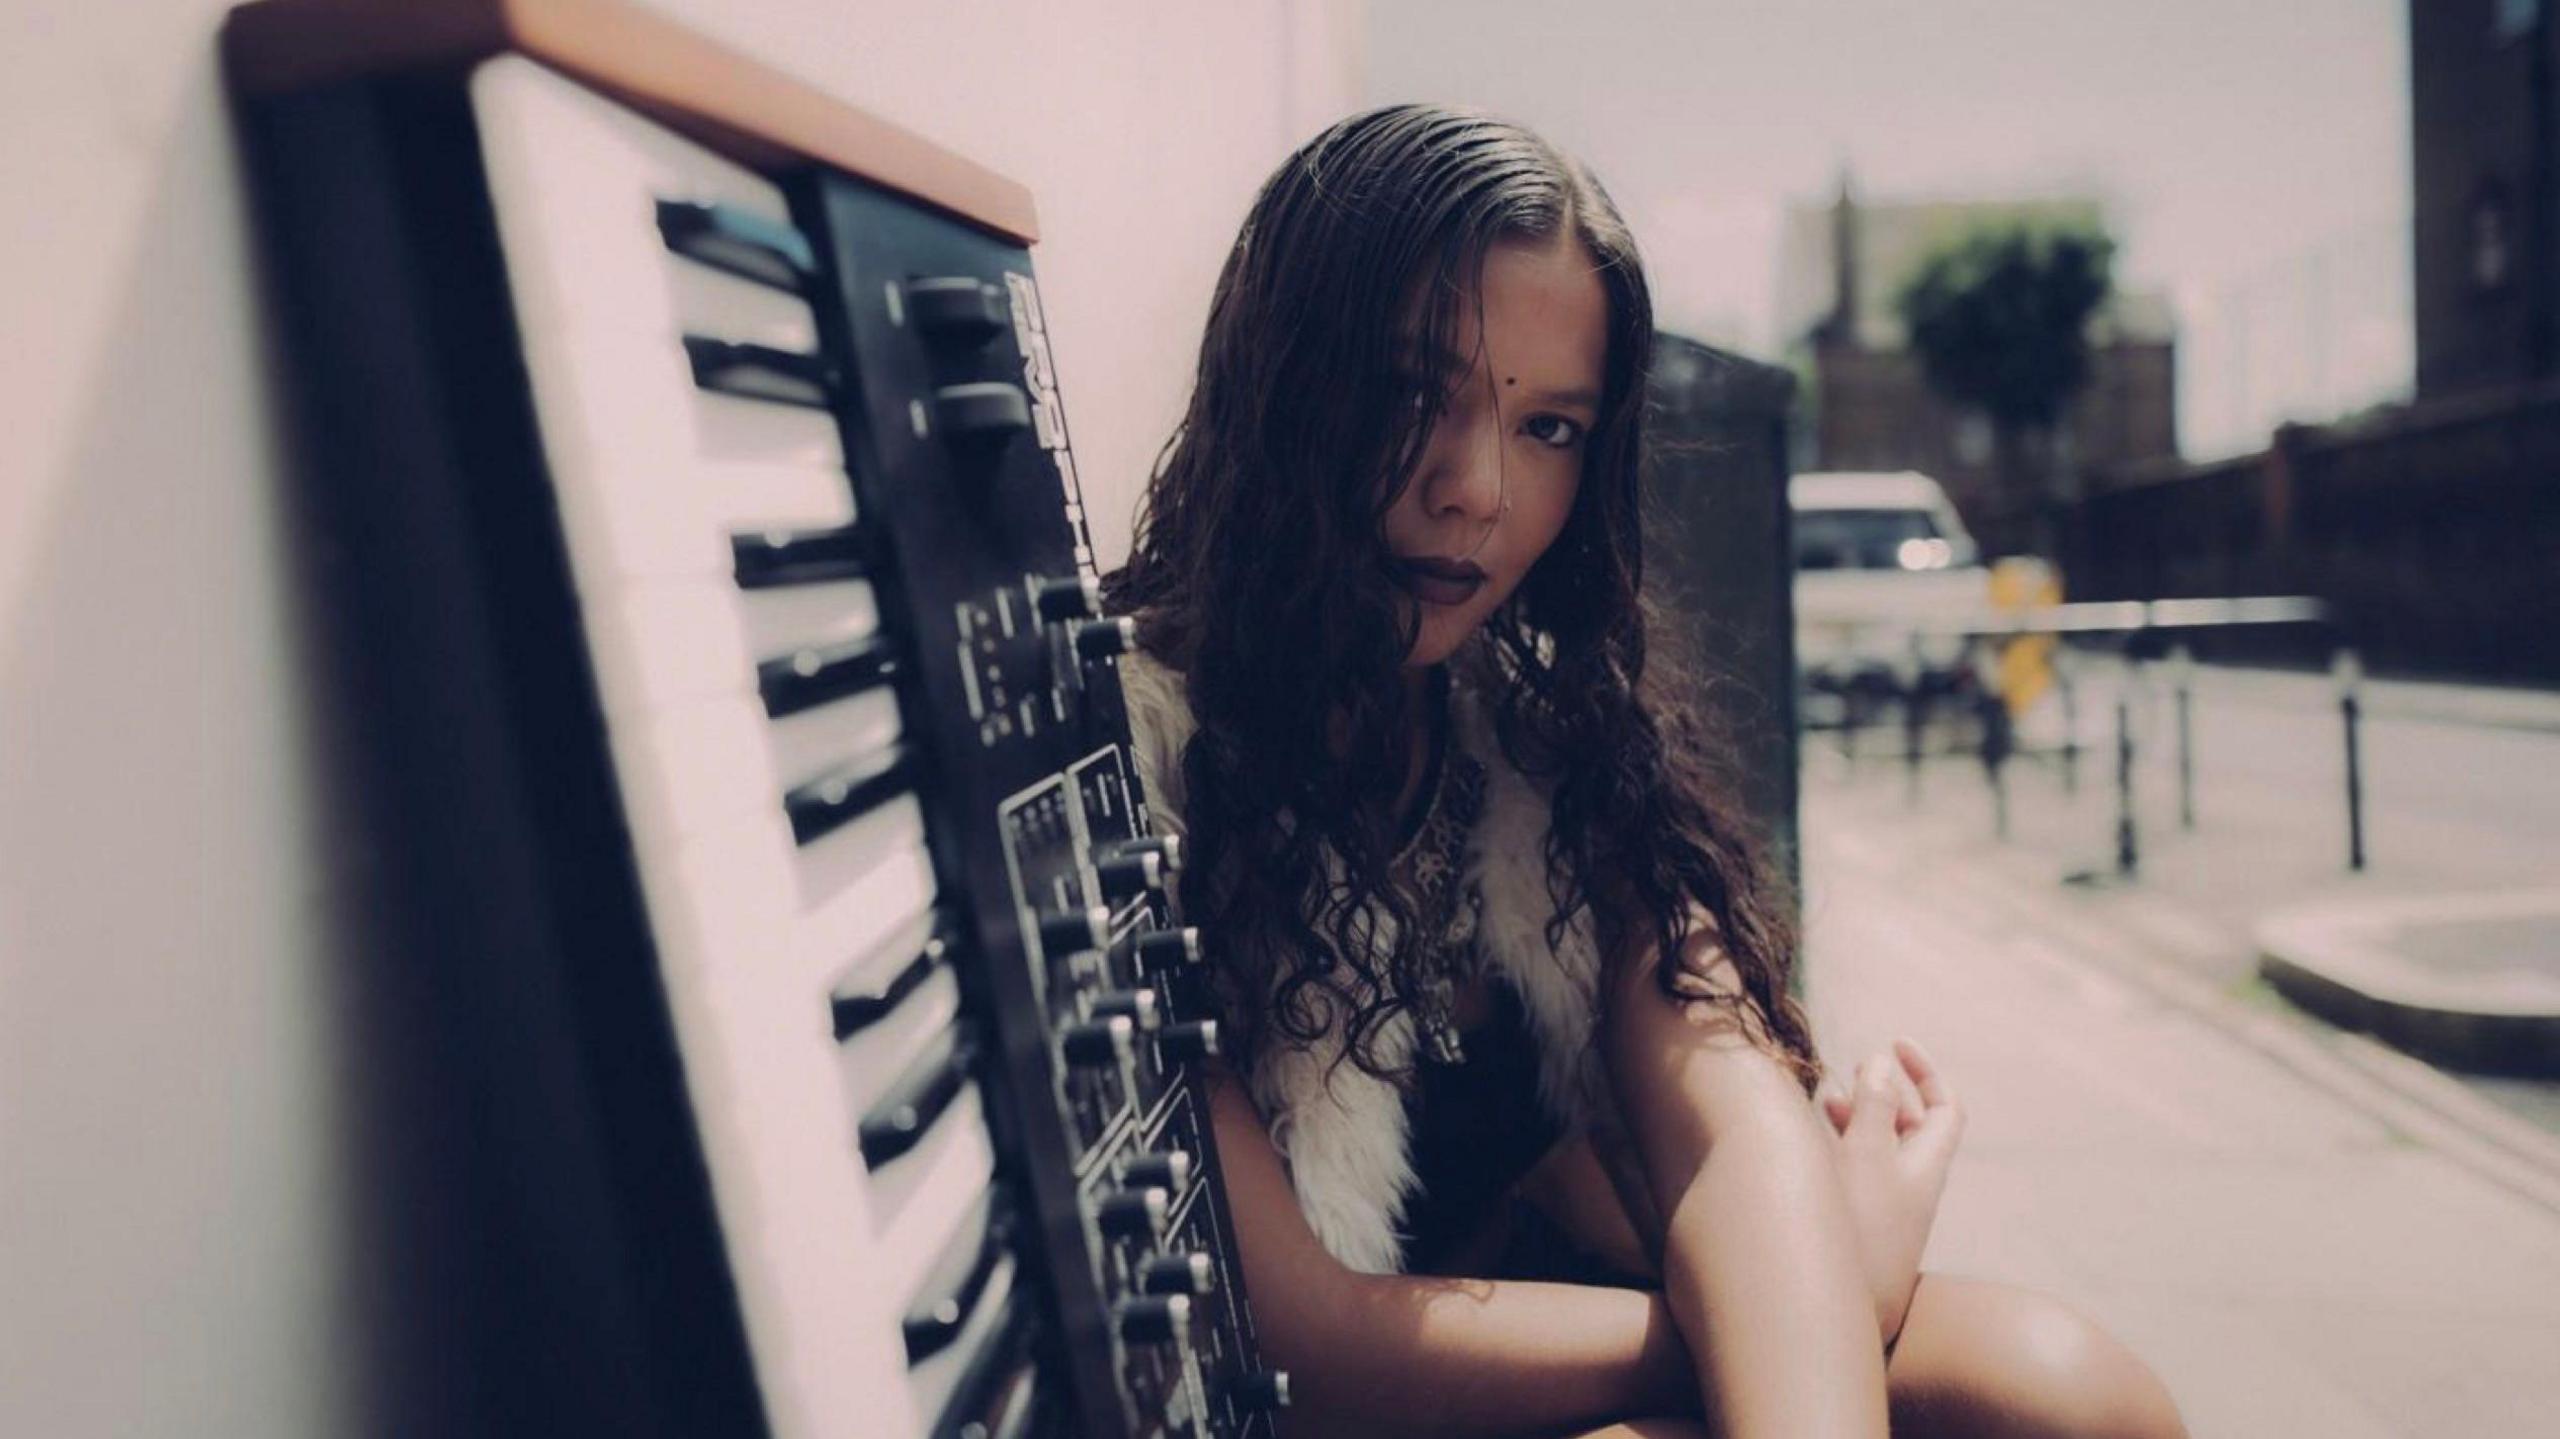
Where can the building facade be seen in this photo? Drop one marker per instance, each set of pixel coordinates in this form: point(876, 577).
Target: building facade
point(2486, 217)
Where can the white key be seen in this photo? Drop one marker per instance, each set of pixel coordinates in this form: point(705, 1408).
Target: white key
point(791, 617)
point(805, 745)
point(914, 1195)
point(659, 646)
point(697, 768)
point(858, 882)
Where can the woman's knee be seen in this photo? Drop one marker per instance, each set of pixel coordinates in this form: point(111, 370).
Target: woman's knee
point(1982, 1360)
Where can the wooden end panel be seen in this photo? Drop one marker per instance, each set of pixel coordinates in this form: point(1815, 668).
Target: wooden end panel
point(749, 111)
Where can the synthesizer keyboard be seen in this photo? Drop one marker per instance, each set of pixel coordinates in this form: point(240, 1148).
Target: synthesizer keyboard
point(700, 458)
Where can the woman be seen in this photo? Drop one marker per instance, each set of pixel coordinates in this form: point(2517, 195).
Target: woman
point(1515, 1129)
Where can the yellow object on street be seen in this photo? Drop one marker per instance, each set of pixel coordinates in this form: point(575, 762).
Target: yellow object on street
point(2025, 670)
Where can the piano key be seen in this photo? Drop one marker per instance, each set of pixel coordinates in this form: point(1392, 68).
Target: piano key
point(761, 372)
point(974, 1384)
point(739, 241)
point(917, 1097)
point(695, 768)
point(880, 981)
point(778, 621)
point(843, 794)
point(951, 1290)
point(776, 557)
point(809, 742)
point(657, 646)
point(874, 1061)
point(816, 675)
point(859, 886)
point(690, 298)
point(972, 1377)
point(914, 1198)
point(744, 498)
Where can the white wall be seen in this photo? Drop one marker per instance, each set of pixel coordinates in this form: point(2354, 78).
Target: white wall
point(166, 863)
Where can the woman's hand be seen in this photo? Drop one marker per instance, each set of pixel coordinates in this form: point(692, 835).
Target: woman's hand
point(1896, 1137)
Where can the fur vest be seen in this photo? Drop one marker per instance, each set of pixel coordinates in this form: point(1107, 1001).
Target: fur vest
point(1343, 1136)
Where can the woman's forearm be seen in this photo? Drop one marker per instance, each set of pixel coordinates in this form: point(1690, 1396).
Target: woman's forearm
point(1761, 1271)
point(1476, 1358)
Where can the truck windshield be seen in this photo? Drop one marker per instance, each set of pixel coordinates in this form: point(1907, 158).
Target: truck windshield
point(1859, 539)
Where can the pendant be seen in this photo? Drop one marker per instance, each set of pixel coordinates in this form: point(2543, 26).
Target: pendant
point(1439, 996)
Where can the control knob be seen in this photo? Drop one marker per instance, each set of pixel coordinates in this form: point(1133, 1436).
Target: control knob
point(1072, 931)
point(1101, 639)
point(1134, 1213)
point(1100, 1043)
point(1073, 598)
point(1159, 1320)
point(1138, 1006)
point(1163, 951)
point(1168, 1169)
point(1184, 1043)
point(1126, 876)
point(1178, 1274)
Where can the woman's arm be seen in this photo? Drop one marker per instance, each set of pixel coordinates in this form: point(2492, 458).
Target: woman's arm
point(1395, 1355)
point(1760, 1261)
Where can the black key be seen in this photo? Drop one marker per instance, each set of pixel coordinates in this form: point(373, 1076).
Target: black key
point(740, 242)
point(804, 679)
point(761, 372)
point(857, 1010)
point(950, 1293)
point(771, 559)
point(909, 1109)
point(997, 1389)
point(826, 803)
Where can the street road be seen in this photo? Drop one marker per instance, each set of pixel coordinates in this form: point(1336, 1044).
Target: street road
point(2462, 794)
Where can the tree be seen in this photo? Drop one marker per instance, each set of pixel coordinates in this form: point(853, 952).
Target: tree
point(2000, 321)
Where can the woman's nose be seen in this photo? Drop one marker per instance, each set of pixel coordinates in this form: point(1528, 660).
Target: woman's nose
point(1467, 482)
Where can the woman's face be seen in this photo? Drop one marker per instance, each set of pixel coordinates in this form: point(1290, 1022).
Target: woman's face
point(1502, 464)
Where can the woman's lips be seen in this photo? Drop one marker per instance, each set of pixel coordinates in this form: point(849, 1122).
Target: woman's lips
point(1442, 582)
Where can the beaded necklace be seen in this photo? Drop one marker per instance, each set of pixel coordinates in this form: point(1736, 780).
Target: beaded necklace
point(1431, 866)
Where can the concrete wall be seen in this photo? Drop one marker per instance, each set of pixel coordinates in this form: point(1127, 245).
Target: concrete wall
point(2432, 531)
point(171, 854)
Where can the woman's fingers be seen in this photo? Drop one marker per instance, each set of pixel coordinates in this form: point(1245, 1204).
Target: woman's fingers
point(1923, 1073)
point(1875, 1108)
point(1836, 1104)
point(1932, 1142)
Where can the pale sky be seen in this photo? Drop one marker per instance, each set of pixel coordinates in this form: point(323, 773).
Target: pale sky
point(2254, 154)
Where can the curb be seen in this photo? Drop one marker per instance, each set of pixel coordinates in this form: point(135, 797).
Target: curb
point(2338, 962)
point(2403, 1092)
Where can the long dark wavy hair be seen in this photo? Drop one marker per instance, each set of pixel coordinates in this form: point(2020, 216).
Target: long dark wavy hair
point(1260, 570)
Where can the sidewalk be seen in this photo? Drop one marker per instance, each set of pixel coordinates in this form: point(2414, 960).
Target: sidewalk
point(2297, 1251)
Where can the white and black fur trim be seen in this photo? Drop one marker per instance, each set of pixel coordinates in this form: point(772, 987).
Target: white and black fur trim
point(1340, 1129)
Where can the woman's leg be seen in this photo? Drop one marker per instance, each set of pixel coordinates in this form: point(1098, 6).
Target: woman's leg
point(1989, 1361)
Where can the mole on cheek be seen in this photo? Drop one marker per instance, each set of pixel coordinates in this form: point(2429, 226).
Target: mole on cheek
point(1511, 379)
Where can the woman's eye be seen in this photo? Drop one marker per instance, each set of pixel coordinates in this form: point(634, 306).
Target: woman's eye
point(1553, 430)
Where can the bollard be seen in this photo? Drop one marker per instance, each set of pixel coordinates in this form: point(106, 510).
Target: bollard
point(2066, 684)
point(2128, 845)
point(1914, 718)
point(1997, 741)
point(2182, 674)
point(2348, 671)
